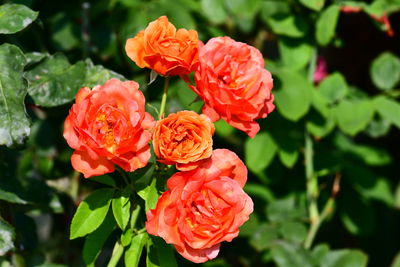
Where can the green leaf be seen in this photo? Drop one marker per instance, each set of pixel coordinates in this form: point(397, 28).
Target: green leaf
point(272, 8)
point(91, 212)
point(345, 258)
point(316, 5)
point(333, 87)
point(243, 8)
point(294, 99)
point(286, 209)
point(64, 32)
point(11, 197)
point(126, 237)
point(374, 156)
point(149, 194)
point(389, 109)
point(133, 253)
point(214, 10)
point(385, 71)
point(295, 53)
point(121, 207)
point(321, 121)
point(260, 191)
point(14, 123)
point(288, 158)
point(165, 253)
point(288, 255)
point(259, 151)
point(357, 215)
point(7, 236)
point(55, 82)
point(95, 241)
point(263, 236)
point(353, 116)
point(223, 129)
point(294, 231)
point(97, 74)
point(326, 25)
point(288, 25)
point(15, 17)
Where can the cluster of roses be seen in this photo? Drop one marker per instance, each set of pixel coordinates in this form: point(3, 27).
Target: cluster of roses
point(108, 125)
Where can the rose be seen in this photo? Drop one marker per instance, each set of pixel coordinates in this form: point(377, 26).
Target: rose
point(233, 83)
point(108, 125)
point(183, 138)
point(164, 49)
point(203, 207)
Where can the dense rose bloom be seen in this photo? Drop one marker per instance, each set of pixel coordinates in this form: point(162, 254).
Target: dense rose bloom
point(233, 83)
point(183, 138)
point(164, 49)
point(203, 207)
point(108, 125)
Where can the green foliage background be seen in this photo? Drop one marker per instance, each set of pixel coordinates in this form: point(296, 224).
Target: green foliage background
point(330, 149)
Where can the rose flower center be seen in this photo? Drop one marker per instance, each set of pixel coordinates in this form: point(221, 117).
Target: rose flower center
point(107, 127)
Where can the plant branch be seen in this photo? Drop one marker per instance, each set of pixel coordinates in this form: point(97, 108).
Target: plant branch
point(164, 97)
point(116, 254)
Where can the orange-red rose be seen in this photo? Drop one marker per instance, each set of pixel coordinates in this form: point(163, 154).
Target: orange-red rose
point(183, 138)
point(108, 125)
point(233, 83)
point(164, 49)
point(203, 207)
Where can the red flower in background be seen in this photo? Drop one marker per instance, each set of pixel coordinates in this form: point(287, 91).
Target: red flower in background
point(321, 70)
point(108, 125)
point(164, 49)
point(203, 207)
point(233, 83)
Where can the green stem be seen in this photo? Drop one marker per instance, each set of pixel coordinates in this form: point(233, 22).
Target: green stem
point(164, 97)
point(116, 254)
point(315, 226)
point(312, 191)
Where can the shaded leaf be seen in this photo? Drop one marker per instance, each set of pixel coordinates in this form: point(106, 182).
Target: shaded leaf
point(353, 116)
point(7, 236)
point(326, 24)
point(259, 151)
point(165, 252)
point(333, 87)
point(98, 75)
point(55, 81)
point(345, 258)
point(214, 10)
point(95, 241)
point(295, 53)
point(293, 231)
point(14, 123)
point(263, 236)
point(385, 71)
point(388, 109)
point(11, 197)
point(289, 255)
point(316, 5)
point(290, 25)
point(294, 99)
point(15, 17)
